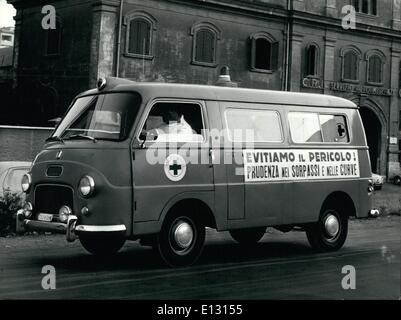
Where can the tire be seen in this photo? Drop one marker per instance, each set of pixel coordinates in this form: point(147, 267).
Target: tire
point(397, 180)
point(102, 244)
point(248, 236)
point(180, 241)
point(330, 232)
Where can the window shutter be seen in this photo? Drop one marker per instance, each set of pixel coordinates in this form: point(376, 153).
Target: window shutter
point(204, 46)
point(354, 67)
point(146, 37)
point(274, 55)
point(372, 69)
point(139, 37)
point(199, 46)
point(350, 66)
point(346, 66)
point(212, 47)
point(252, 42)
point(378, 69)
point(207, 48)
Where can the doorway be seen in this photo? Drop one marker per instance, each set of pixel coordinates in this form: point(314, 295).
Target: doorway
point(373, 131)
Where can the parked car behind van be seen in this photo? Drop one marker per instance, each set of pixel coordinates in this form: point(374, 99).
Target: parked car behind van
point(11, 173)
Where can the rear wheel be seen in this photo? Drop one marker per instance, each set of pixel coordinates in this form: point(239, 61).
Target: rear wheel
point(397, 180)
point(330, 232)
point(102, 244)
point(248, 236)
point(180, 242)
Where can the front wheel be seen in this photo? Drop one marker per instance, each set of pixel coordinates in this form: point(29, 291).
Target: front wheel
point(102, 244)
point(397, 180)
point(180, 241)
point(248, 236)
point(330, 232)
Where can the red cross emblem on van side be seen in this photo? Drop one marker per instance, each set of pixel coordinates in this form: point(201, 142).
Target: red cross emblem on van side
point(175, 167)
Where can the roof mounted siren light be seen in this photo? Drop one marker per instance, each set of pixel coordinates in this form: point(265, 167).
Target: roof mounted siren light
point(224, 79)
point(101, 83)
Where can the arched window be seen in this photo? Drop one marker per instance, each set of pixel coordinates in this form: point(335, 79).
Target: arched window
point(139, 40)
point(53, 39)
point(139, 37)
point(264, 52)
point(205, 46)
point(375, 64)
point(205, 37)
point(351, 57)
point(312, 60)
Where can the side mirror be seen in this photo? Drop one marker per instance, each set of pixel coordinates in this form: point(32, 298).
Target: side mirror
point(55, 121)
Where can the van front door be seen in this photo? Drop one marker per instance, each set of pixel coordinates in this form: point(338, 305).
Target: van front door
point(174, 161)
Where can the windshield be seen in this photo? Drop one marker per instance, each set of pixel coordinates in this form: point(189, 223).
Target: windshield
point(105, 117)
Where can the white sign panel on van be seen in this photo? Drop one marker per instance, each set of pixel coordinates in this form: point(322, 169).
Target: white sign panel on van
point(299, 164)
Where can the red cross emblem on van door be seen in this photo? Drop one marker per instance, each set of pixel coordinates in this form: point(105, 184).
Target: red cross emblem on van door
point(175, 167)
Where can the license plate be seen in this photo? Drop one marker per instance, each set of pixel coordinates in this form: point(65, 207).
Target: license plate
point(45, 217)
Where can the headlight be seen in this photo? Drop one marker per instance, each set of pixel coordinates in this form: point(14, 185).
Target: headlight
point(86, 186)
point(26, 182)
point(63, 213)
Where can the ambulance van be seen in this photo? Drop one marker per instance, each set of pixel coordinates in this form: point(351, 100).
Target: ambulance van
point(159, 163)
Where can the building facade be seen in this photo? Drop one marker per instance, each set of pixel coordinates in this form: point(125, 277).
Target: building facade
point(295, 45)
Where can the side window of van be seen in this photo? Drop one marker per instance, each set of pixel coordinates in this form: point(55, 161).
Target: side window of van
point(334, 128)
point(305, 127)
point(174, 122)
point(309, 127)
point(251, 125)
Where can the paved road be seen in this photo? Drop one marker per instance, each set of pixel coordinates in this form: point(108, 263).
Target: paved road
point(282, 266)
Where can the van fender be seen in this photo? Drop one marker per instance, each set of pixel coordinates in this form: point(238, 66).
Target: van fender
point(206, 197)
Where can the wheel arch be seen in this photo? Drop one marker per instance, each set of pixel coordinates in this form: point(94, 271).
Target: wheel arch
point(340, 200)
point(198, 205)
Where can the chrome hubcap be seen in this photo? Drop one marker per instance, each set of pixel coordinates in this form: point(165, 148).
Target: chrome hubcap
point(332, 225)
point(183, 235)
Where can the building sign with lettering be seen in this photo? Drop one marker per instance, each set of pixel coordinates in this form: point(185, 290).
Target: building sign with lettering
point(375, 91)
point(299, 164)
point(346, 87)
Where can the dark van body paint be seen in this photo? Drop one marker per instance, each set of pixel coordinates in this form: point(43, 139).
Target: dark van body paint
point(131, 192)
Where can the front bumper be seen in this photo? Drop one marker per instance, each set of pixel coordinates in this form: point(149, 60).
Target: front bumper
point(70, 228)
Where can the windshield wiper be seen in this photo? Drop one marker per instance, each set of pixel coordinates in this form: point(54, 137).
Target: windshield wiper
point(82, 136)
point(55, 138)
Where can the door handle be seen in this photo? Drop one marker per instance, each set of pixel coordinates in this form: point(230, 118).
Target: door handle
point(212, 157)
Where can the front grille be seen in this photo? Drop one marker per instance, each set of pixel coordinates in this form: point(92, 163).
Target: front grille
point(50, 198)
point(54, 171)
